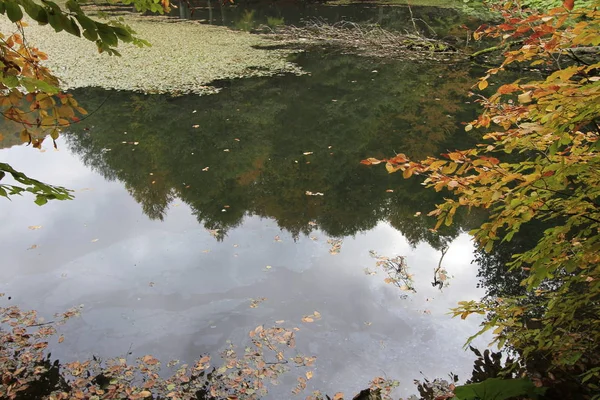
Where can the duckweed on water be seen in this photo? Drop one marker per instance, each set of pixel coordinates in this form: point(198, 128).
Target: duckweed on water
point(185, 57)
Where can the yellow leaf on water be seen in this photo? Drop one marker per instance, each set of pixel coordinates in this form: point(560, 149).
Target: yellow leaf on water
point(309, 374)
point(482, 84)
point(35, 227)
point(307, 319)
point(61, 339)
point(145, 393)
point(33, 246)
point(95, 240)
point(338, 396)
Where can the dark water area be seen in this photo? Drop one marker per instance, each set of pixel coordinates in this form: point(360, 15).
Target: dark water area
point(188, 208)
point(431, 21)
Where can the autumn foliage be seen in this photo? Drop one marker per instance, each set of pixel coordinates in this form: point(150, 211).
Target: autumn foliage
point(537, 160)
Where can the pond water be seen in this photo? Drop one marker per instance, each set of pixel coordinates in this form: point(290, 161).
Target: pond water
point(188, 208)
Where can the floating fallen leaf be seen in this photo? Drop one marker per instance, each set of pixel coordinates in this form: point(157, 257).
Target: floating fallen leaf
point(236, 139)
point(369, 272)
point(153, 182)
point(309, 374)
point(281, 321)
point(277, 238)
point(312, 223)
point(255, 302)
point(94, 240)
point(33, 246)
point(194, 112)
point(206, 251)
point(136, 143)
point(151, 284)
point(61, 339)
point(368, 323)
point(312, 317)
point(313, 238)
point(205, 169)
point(235, 245)
point(195, 126)
point(268, 267)
point(35, 227)
point(338, 396)
point(214, 232)
point(336, 246)
point(307, 153)
point(417, 213)
point(226, 150)
point(309, 193)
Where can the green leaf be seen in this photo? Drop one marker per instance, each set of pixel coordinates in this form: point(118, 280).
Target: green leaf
point(35, 11)
point(72, 27)
point(89, 27)
point(11, 81)
point(498, 389)
point(107, 34)
point(13, 11)
point(123, 34)
point(40, 200)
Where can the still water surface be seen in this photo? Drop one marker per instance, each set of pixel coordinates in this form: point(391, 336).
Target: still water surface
point(187, 208)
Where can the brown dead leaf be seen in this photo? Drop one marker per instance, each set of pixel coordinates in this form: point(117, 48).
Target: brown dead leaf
point(338, 396)
point(33, 246)
point(61, 339)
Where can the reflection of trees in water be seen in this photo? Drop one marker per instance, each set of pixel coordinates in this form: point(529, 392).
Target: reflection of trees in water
point(252, 137)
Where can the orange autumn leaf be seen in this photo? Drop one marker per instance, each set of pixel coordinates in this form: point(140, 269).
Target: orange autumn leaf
point(569, 4)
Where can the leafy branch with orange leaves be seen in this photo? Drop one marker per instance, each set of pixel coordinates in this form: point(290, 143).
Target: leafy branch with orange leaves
point(537, 160)
point(31, 101)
